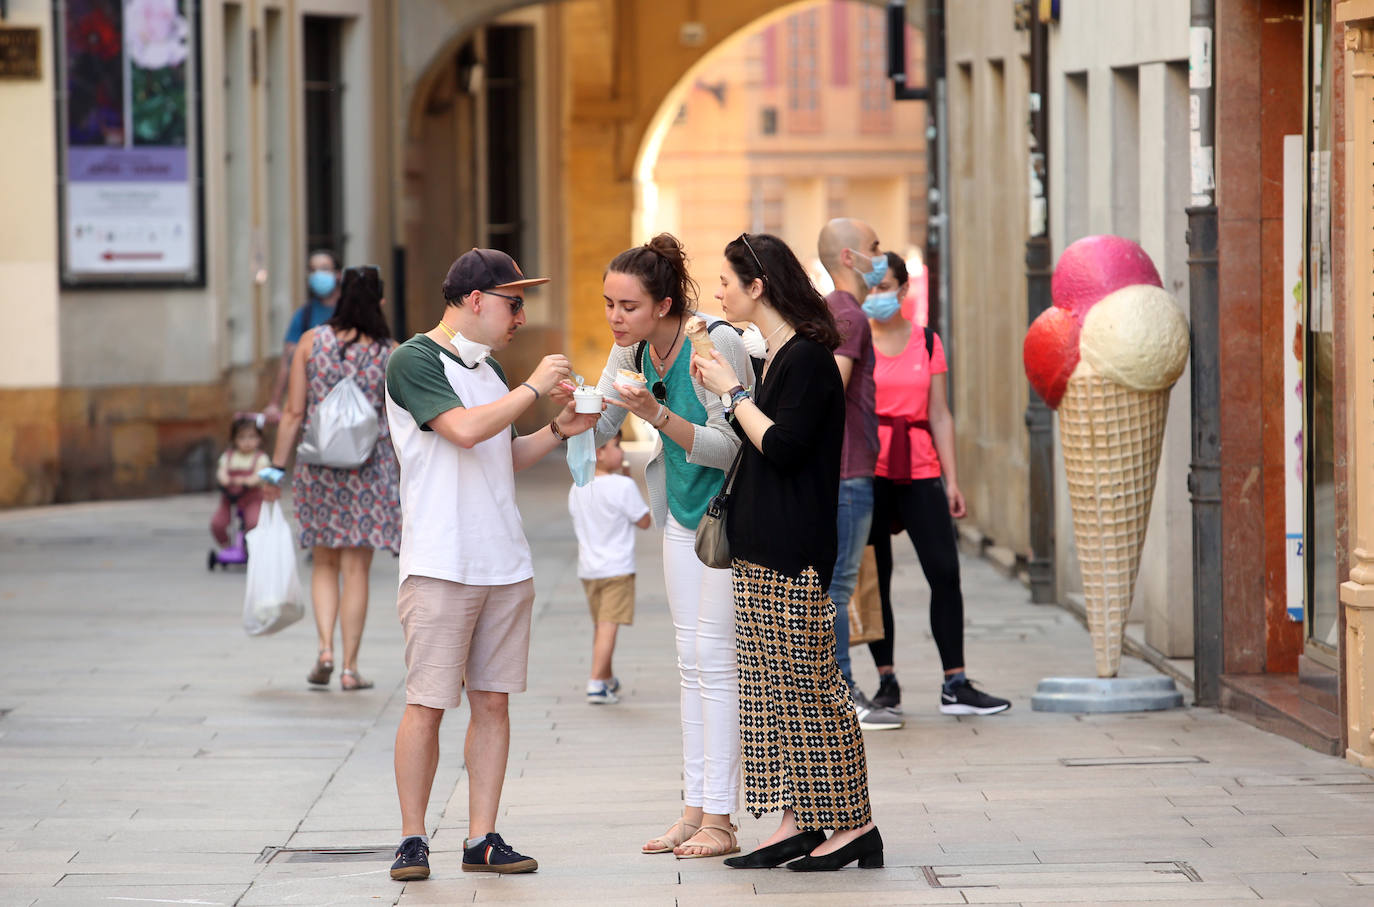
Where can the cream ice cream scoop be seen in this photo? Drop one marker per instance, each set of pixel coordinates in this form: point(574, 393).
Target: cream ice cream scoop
point(587, 399)
point(1137, 337)
point(700, 337)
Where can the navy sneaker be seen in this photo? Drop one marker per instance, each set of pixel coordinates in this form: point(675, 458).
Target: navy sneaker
point(889, 695)
point(492, 854)
point(412, 861)
point(962, 698)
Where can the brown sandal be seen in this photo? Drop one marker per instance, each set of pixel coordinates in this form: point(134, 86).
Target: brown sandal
point(716, 846)
point(671, 838)
point(320, 674)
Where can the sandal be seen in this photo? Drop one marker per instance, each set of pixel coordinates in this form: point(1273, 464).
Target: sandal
point(671, 838)
point(320, 674)
point(721, 844)
point(359, 682)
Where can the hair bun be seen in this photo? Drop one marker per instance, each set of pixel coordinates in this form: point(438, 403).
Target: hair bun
point(667, 245)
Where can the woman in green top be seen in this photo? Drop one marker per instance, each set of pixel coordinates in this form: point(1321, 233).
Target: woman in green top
point(649, 298)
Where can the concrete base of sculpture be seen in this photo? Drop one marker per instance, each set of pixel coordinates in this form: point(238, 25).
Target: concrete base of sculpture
point(1106, 694)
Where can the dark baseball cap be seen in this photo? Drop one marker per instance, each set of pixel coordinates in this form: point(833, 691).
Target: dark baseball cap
point(485, 269)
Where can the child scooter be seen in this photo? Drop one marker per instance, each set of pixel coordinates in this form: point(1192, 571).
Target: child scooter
point(236, 552)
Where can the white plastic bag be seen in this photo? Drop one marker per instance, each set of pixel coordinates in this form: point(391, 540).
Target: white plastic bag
point(273, 599)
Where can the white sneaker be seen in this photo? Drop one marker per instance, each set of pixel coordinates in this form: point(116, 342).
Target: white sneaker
point(601, 692)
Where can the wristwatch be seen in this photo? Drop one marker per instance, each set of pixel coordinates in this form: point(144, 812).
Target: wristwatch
point(731, 398)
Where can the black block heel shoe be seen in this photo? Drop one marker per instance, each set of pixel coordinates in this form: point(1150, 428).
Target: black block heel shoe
point(798, 845)
point(867, 849)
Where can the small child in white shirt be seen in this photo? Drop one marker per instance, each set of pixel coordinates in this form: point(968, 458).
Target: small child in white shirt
point(605, 513)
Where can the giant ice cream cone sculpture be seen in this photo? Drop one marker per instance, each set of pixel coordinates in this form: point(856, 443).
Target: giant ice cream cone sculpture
point(1106, 356)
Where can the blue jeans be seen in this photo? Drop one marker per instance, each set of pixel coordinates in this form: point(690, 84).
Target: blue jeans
point(854, 520)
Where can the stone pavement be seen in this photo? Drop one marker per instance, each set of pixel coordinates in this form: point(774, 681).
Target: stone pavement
point(151, 753)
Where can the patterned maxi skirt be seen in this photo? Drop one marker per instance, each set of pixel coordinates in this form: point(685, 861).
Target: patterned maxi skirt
point(801, 744)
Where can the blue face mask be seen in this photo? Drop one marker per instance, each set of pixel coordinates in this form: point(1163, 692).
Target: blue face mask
point(882, 306)
point(876, 273)
point(322, 283)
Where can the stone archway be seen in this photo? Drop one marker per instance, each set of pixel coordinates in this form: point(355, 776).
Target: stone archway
point(614, 63)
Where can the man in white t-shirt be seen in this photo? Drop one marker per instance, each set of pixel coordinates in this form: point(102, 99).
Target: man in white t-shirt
point(605, 513)
point(466, 573)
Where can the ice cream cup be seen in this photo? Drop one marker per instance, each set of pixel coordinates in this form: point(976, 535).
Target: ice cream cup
point(587, 399)
point(626, 379)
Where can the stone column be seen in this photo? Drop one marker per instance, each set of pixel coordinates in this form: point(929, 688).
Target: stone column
point(1357, 594)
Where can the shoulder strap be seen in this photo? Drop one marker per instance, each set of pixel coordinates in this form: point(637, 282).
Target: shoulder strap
point(500, 372)
point(639, 356)
point(754, 361)
point(930, 342)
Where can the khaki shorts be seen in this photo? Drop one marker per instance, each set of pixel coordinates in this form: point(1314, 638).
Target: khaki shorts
point(611, 599)
point(457, 634)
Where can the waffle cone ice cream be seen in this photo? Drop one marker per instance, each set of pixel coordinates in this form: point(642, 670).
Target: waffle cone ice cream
point(1111, 437)
point(699, 335)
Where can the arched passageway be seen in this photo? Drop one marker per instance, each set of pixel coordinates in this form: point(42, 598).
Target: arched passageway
point(526, 124)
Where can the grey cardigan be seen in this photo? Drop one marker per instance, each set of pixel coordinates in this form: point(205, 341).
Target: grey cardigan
point(713, 444)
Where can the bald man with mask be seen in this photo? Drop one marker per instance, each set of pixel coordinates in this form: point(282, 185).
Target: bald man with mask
point(849, 252)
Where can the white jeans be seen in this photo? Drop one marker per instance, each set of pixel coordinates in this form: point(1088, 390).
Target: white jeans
point(703, 608)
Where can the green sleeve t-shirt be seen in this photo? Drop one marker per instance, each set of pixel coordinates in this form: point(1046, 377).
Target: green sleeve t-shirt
point(690, 487)
point(415, 379)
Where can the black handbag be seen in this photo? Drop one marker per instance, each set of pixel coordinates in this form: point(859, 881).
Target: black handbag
point(712, 546)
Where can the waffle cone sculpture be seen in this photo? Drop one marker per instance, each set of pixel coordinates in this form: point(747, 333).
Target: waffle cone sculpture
point(1111, 437)
point(1106, 356)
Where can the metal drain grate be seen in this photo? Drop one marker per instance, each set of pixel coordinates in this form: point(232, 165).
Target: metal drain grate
point(1130, 760)
point(1044, 875)
point(326, 854)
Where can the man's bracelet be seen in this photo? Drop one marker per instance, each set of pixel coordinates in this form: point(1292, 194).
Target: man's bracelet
point(531, 387)
point(553, 427)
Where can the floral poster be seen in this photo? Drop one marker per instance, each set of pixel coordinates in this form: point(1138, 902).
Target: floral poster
point(130, 125)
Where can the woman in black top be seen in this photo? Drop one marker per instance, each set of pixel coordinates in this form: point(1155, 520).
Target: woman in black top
point(802, 749)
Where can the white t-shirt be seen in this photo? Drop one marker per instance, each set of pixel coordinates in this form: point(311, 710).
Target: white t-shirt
point(604, 513)
point(459, 520)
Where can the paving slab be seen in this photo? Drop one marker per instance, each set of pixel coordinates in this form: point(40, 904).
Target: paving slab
point(149, 751)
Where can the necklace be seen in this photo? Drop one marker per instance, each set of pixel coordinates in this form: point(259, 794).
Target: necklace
point(770, 336)
point(662, 360)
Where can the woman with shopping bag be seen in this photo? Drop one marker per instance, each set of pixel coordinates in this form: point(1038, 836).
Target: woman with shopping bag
point(345, 511)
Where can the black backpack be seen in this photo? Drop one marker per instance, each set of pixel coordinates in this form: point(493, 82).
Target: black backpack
point(753, 360)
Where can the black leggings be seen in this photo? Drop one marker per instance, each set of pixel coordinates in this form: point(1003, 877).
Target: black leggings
point(923, 510)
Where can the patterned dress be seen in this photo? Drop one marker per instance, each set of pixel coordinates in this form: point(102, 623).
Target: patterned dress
point(800, 740)
point(349, 508)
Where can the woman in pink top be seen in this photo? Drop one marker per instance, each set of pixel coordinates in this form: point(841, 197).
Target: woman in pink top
point(916, 487)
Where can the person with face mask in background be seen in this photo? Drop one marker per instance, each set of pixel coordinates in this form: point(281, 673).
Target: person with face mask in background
point(848, 250)
point(917, 488)
point(323, 282)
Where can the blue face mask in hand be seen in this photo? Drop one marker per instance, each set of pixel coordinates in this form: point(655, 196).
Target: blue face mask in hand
point(882, 306)
point(582, 458)
point(877, 270)
point(322, 283)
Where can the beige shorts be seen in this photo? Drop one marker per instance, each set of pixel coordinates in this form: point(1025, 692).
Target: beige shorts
point(457, 634)
point(611, 599)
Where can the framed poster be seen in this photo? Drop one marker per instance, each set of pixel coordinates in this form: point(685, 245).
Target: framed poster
point(129, 161)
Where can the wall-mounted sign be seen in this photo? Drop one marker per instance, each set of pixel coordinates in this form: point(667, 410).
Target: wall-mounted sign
point(129, 133)
point(19, 53)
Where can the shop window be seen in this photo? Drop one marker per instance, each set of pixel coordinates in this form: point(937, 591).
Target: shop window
point(1323, 569)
